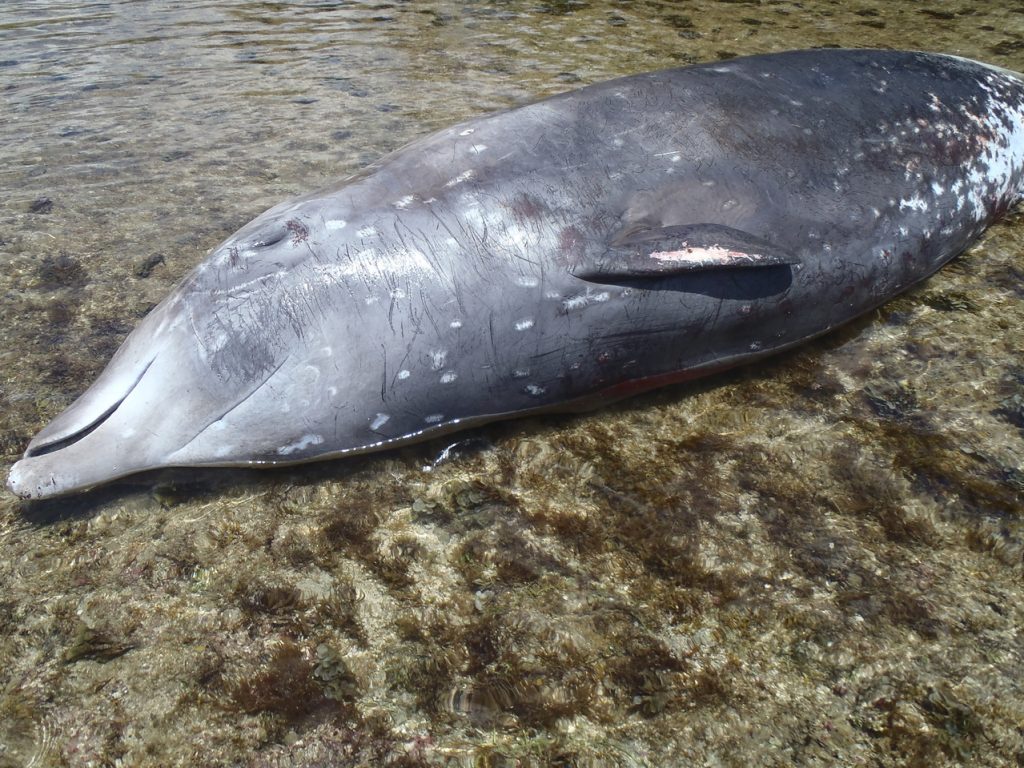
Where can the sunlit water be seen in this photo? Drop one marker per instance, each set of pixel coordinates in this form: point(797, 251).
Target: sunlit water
point(629, 586)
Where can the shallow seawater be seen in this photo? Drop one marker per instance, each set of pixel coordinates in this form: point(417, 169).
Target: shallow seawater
point(815, 560)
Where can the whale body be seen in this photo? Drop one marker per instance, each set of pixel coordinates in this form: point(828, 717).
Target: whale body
point(612, 239)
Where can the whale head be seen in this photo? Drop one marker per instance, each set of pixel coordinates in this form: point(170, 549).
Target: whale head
point(228, 370)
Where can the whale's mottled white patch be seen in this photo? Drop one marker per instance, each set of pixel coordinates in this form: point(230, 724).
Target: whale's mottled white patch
point(335, 224)
point(404, 202)
point(403, 374)
point(379, 420)
point(433, 418)
point(437, 358)
point(525, 324)
point(448, 377)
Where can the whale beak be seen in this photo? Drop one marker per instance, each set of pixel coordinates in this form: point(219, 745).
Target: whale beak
point(91, 442)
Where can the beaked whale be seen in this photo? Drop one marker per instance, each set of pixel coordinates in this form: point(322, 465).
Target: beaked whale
point(590, 245)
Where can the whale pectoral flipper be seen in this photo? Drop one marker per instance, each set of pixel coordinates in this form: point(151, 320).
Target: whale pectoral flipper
point(658, 252)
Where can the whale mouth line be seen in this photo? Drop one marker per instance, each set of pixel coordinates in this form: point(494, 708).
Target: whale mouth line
point(64, 442)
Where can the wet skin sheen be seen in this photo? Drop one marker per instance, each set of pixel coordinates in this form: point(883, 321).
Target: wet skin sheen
point(587, 246)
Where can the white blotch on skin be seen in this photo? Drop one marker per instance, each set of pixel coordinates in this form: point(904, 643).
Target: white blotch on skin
point(367, 232)
point(404, 202)
point(455, 324)
point(535, 390)
point(433, 418)
point(448, 377)
point(302, 443)
point(332, 391)
point(476, 149)
point(520, 373)
point(462, 177)
point(403, 374)
point(524, 324)
point(575, 302)
point(583, 299)
point(379, 421)
point(371, 300)
point(335, 224)
point(398, 293)
point(915, 203)
point(527, 281)
point(466, 132)
point(552, 295)
point(437, 358)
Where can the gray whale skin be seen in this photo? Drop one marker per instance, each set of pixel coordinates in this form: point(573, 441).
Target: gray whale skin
point(601, 242)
